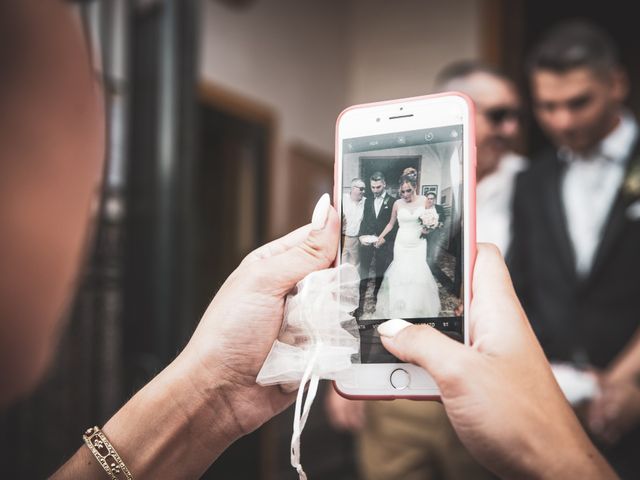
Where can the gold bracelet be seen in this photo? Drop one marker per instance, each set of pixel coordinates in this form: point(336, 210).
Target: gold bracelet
point(105, 454)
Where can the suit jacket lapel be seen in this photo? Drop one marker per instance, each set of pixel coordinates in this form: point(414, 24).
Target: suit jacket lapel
point(557, 221)
point(382, 205)
point(385, 202)
point(372, 208)
point(617, 216)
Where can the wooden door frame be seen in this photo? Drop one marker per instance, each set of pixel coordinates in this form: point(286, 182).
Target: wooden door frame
point(241, 106)
point(246, 108)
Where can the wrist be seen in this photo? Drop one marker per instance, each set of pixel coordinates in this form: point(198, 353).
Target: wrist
point(204, 397)
point(568, 455)
point(174, 425)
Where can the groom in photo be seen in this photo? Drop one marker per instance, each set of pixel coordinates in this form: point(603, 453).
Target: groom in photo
point(376, 216)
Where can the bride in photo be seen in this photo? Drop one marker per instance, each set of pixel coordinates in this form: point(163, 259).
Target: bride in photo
point(408, 288)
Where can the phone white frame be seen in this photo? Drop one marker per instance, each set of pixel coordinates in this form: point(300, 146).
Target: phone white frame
point(371, 381)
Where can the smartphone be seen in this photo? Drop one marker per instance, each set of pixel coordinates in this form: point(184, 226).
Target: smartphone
point(405, 188)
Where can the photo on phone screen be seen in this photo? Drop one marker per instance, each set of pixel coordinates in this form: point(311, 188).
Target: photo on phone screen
point(402, 228)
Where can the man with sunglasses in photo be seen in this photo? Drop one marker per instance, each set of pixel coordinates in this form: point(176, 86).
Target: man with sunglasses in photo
point(434, 238)
point(575, 254)
point(352, 212)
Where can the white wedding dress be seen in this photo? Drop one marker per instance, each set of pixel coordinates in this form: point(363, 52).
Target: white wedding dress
point(408, 288)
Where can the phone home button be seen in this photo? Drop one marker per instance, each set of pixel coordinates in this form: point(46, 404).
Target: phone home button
point(400, 379)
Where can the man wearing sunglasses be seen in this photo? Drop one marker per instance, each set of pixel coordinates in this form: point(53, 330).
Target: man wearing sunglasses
point(352, 211)
point(498, 115)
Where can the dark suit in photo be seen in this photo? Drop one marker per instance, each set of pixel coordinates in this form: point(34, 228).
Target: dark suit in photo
point(434, 241)
point(587, 319)
point(373, 224)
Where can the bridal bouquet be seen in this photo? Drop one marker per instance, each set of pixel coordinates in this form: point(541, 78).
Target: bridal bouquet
point(429, 219)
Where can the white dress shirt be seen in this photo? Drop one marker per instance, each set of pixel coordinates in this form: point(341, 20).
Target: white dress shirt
point(589, 188)
point(353, 212)
point(493, 202)
point(377, 202)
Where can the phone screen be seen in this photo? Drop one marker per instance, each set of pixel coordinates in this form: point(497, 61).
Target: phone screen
point(402, 228)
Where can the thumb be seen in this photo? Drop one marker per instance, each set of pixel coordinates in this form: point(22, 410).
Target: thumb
point(315, 252)
point(424, 346)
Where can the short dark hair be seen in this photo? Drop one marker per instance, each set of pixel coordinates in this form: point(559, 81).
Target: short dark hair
point(377, 177)
point(572, 44)
point(460, 69)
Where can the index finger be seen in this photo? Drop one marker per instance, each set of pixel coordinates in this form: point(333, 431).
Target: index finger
point(495, 308)
point(279, 245)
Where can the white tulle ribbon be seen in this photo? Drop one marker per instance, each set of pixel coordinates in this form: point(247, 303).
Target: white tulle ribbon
point(318, 340)
point(300, 418)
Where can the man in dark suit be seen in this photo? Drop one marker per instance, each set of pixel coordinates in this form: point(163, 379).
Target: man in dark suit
point(434, 242)
point(575, 255)
point(376, 216)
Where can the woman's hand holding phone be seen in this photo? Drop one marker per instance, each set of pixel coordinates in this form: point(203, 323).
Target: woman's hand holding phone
point(401, 167)
point(208, 396)
point(500, 393)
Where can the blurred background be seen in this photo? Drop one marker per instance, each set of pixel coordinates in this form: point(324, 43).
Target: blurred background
point(221, 137)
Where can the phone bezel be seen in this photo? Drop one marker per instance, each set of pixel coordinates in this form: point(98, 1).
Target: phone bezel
point(372, 381)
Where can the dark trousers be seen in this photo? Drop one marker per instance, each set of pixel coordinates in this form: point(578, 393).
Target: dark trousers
point(456, 244)
point(382, 258)
point(434, 239)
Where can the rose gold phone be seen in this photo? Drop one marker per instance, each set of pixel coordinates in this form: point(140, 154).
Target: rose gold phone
point(405, 188)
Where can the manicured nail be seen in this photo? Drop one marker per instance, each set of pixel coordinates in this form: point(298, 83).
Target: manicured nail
point(392, 327)
point(320, 213)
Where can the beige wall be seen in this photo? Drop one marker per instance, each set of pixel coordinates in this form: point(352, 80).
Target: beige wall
point(397, 47)
point(288, 54)
point(308, 59)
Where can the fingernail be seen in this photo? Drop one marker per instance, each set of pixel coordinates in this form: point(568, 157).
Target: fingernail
point(392, 327)
point(320, 213)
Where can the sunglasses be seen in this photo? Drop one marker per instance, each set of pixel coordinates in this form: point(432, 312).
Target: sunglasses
point(359, 188)
point(498, 115)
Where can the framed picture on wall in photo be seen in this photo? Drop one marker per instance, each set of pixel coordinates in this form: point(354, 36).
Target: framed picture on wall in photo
point(430, 189)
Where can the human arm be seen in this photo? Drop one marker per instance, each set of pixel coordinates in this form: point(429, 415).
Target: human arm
point(626, 365)
point(179, 423)
point(616, 409)
point(500, 393)
point(389, 226)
